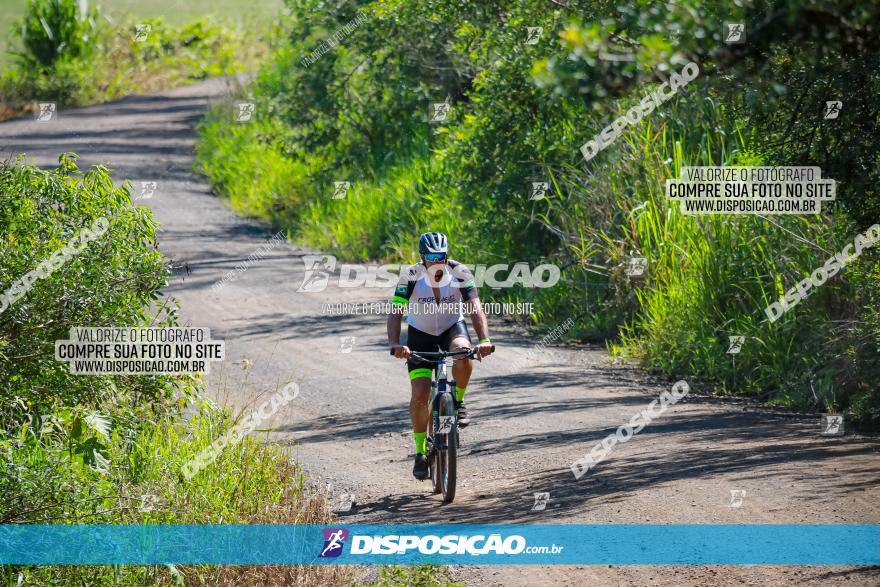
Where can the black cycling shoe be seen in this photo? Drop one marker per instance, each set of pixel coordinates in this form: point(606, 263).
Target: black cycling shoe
point(420, 468)
point(462, 414)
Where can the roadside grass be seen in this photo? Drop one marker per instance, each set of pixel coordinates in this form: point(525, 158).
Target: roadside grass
point(711, 277)
point(140, 482)
point(414, 576)
point(260, 181)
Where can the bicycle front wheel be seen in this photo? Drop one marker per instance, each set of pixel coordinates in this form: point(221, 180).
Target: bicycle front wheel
point(434, 455)
point(447, 454)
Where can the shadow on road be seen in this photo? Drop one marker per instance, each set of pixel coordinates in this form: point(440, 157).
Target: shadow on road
point(718, 445)
point(135, 136)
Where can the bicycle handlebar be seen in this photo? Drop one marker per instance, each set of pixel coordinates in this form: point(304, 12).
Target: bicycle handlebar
point(441, 354)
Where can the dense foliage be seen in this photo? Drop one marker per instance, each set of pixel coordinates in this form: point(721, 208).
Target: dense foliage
point(520, 108)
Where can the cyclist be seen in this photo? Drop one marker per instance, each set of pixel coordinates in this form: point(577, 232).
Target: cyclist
point(434, 291)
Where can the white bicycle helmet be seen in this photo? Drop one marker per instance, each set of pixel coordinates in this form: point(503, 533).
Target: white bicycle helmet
point(433, 242)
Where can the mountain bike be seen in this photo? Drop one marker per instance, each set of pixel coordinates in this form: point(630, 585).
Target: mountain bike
point(443, 440)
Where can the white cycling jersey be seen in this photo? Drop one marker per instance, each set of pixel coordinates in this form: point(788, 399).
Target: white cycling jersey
point(425, 312)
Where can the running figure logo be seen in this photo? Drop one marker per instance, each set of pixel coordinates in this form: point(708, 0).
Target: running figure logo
point(438, 111)
point(737, 496)
point(635, 266)
point(734, 33)
point(148, 188)
point(346, 500)
point(334, 540)
point(318, 269)
point(141, 31)
point(340, 188)
point(150, 502)
point(346, 344)
point(47, 112)
point(245, 111)
point(736, 343)
point(832, 425)
point(539, 189)
point(832, 109)
point(533, 33)
point(541, 500)
point(445, 424)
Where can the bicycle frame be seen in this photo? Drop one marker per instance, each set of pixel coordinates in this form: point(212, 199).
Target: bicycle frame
point(439, 385)
point(443, 451)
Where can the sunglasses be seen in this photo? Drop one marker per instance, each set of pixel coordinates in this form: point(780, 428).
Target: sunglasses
point(435, 257)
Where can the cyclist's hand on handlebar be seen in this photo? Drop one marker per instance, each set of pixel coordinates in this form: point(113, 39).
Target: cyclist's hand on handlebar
point(400, 351)
point(484, 349)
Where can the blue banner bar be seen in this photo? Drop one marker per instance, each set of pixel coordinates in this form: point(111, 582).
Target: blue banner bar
point(618, 544)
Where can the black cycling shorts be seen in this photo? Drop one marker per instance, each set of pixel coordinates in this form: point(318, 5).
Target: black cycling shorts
point(417, 340)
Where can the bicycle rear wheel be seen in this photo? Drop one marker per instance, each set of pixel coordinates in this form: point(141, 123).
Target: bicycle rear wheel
point(447, 453)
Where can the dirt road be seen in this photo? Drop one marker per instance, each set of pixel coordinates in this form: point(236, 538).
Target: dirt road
point(349, 426)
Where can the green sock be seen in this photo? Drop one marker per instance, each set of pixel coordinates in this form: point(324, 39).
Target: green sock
point(459, 393)
point(421, 440)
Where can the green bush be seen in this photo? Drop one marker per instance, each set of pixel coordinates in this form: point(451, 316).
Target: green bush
point(113, 281)
point(46, 413)
point(54, 30)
